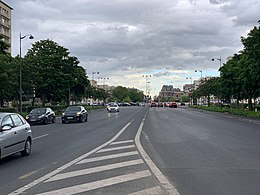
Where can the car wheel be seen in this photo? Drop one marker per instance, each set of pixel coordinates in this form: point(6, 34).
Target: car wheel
point(54, 120)
point(81, 120)
point(27, 148)
point(45, 121)
point(86, 119)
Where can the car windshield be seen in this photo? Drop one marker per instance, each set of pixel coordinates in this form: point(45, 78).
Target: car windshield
point(112, 105)
point(73, 109)
point(38, 111)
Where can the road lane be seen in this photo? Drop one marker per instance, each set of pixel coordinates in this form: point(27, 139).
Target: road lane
point(63, 143)
point(202, 152)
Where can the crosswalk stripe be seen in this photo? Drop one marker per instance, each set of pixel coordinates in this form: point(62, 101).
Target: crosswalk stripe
point(115, 148)
point(151, 191)
point(122, 142)
point(108, 157)
point(99, 184)
point(94, 170)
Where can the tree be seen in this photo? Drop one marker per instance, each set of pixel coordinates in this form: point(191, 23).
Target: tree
point(119, 93)
point(250, 64)
point(53, 73)
point(8, 79)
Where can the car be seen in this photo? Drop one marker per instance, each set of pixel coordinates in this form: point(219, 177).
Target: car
point(112, 107)
point(75, 114)
point(41, 116)
point(182, 104)
point(173, 105)
point(153, 104)
point(15, 135)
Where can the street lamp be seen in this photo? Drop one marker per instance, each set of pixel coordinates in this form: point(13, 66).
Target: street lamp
point(93, 75)
point(199, 71)
point(146, 78)
point(20, 68)
point(219, 59)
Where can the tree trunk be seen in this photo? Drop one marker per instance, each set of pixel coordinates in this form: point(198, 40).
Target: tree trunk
point(43, 100)
point(250, 106)
point(1, 103)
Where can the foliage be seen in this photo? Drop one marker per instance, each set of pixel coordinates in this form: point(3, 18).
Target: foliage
point(9, 87)
point(240, 76)
point(230, 111)
point(53, 74)
point(123, 94)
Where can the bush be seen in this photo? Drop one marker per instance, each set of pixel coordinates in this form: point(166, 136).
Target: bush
point(239, 112)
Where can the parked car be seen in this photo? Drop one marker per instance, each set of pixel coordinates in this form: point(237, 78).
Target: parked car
point(113, 107)
point(41, 116)
point(74, 114)
point(182, 104)
point(15, 135)
point(173, 105)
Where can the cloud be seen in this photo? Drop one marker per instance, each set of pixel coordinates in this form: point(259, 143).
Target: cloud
point(131, 37)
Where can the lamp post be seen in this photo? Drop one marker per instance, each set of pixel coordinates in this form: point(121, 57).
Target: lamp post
point(93, 75)
point(219, 59)
point(146, 85)
point(199, 71)
point(20, 70)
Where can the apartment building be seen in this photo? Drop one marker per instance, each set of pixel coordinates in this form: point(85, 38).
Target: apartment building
point(5, 24)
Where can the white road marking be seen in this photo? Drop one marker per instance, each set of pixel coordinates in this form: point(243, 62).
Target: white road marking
point(108, 157)
point(115, 148)
point(149, 191)
point(99, 184)
point(40, 136)
point(56, 171)
point(122, 142)
point(95, 170)
point(162, 179)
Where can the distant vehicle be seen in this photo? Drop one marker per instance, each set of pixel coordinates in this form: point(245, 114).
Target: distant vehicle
point(74, 114)
point(15, 135)
point(153, 104)
point(142, 104)
point(113, 107)
point(160, 104)
point(182, 104)
point(173, 105)
point(41, 116)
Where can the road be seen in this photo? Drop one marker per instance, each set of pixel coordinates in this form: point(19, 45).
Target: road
point(195, 152)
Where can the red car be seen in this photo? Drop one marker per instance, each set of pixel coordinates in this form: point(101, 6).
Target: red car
point(173, 105)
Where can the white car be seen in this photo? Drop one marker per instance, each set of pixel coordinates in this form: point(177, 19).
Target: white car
point(15, 135)
point(112, 107)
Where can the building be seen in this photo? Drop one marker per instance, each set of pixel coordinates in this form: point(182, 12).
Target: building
point(168, 91)
point(188, 87)
point(5, 24)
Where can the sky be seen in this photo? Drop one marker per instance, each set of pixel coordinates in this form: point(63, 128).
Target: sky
point(143, 44)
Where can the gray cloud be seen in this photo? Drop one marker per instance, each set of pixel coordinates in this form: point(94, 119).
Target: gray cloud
point(136, 37)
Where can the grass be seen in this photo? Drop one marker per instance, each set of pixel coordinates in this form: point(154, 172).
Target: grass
point(239, 112)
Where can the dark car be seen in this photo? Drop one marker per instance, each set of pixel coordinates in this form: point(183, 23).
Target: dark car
point(41, 116)
point(74, 114)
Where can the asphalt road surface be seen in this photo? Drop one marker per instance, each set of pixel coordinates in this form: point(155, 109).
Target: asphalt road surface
point(193, 152)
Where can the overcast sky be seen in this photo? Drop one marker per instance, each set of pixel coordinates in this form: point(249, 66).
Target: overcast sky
point(124, 40)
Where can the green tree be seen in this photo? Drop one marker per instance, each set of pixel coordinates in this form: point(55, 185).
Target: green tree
point(9, 88)
point(53, 73)
point(119, 93)
point(250, 64)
